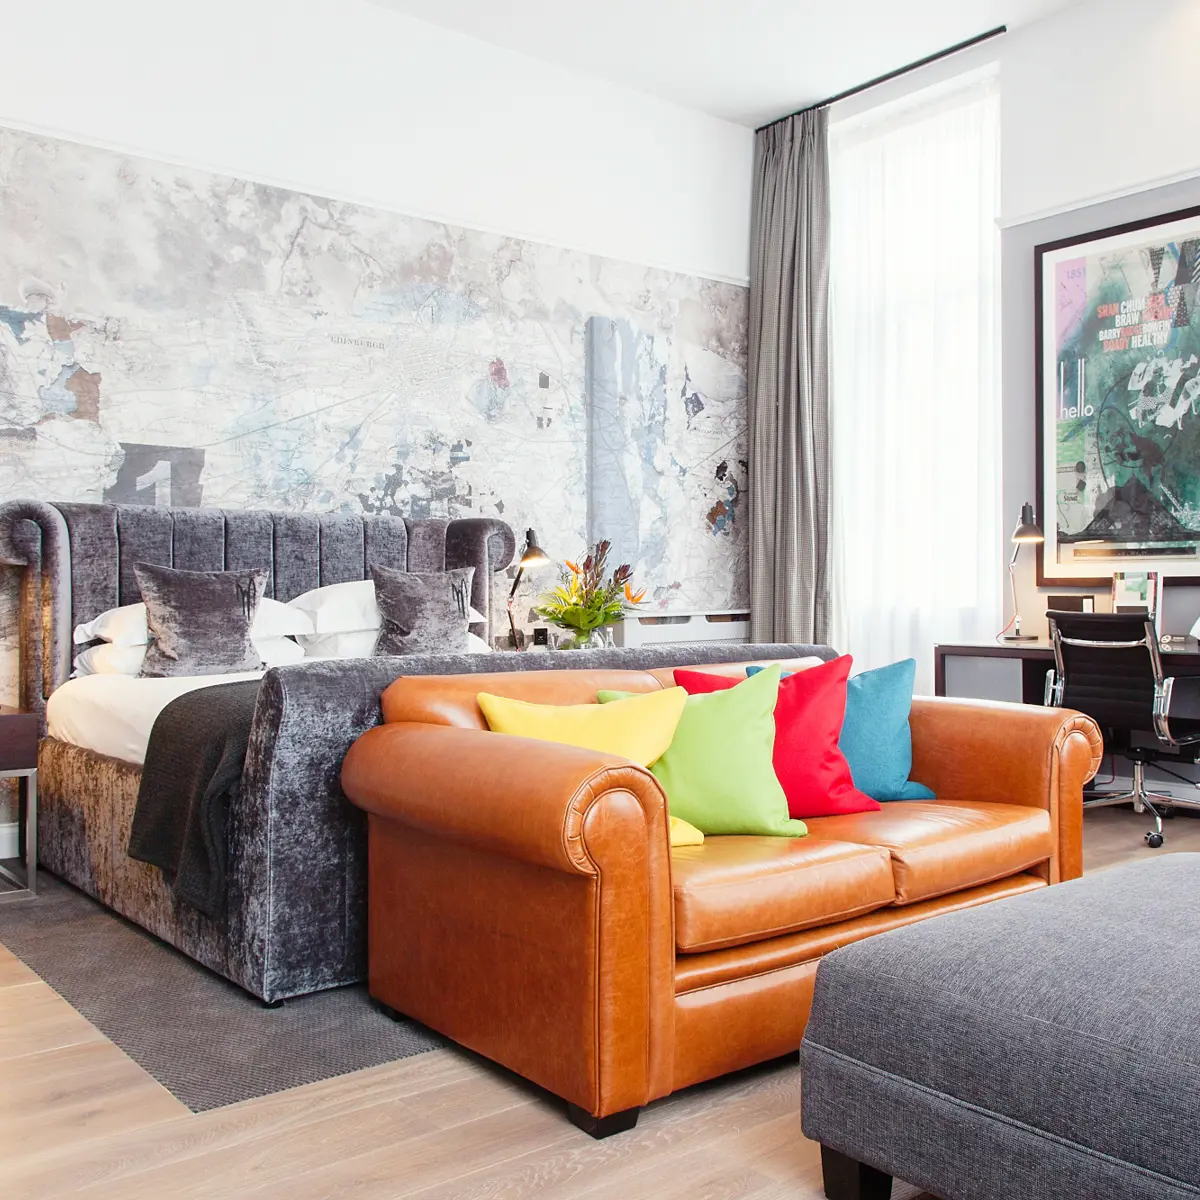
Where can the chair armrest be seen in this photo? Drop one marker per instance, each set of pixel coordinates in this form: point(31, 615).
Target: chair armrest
point(1178, 701)
point(1010, 754)
point(523, 799)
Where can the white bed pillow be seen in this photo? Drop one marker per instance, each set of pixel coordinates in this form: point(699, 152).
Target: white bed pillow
point(356, 643)
point(276, 620)
point(361, 644)
point(111, 659)
point(278, 651)
point(126, 626)
point(348, 608)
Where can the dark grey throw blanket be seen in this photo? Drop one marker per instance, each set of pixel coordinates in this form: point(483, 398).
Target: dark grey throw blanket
point(193, 767)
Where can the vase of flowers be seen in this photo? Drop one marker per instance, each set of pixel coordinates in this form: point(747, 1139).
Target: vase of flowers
point(586, 602)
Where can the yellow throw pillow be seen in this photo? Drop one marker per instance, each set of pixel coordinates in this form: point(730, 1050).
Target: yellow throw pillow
point(639, 728)
point(683, 834)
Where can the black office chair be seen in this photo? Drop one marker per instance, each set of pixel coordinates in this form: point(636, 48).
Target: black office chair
point(1108, 666)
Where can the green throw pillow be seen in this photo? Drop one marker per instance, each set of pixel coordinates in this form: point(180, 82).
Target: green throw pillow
point(717, 773)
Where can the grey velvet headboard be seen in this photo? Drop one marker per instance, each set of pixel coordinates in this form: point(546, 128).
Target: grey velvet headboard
point(78, 560)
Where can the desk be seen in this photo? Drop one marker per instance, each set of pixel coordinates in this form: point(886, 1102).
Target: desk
point(1024, 680)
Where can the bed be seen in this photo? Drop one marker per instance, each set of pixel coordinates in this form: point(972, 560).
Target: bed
point(295, 915)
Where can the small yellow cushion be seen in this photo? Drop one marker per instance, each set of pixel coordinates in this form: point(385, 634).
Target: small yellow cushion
point(683, 834)
point(639, 728)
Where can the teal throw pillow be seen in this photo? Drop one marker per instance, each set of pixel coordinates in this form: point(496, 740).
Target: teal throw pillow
point(876, 738)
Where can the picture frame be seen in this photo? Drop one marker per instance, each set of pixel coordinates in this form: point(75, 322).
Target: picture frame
point(1117, 351)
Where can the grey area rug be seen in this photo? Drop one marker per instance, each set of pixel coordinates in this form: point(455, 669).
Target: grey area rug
point(203, 1038)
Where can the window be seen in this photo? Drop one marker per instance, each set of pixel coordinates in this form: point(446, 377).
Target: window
point(915, 387)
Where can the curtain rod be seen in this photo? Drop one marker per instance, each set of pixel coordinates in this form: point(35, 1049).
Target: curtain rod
point(912, 66)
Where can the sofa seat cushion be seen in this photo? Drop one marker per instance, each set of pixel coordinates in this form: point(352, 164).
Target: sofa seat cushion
point(735, 890)
point(940, 846)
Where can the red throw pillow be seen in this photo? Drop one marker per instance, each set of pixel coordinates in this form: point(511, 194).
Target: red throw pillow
point(812, 770)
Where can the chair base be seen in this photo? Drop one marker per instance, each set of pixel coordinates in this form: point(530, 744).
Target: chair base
point(602, 1127)
point(1143, 800)
point(846, 1178)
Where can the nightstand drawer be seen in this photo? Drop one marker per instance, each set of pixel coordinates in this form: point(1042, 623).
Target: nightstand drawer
point(18, 740)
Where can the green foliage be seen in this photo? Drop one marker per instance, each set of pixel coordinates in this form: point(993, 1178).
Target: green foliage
point(584, 600)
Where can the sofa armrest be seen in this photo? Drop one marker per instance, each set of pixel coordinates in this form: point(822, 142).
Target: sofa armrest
point(520, 903)
point(524, 799)
point(1011, 754)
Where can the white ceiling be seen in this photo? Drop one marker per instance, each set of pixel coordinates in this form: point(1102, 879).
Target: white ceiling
point(744, 60)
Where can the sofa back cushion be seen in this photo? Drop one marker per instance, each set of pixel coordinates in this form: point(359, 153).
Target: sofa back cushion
point(735, 670)
point(451, 699)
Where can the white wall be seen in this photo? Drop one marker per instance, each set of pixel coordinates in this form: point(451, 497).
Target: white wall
point(1181, 605)
point(1099, 125)
point(351, 100)
point(1098, 101)
point(1097, 112)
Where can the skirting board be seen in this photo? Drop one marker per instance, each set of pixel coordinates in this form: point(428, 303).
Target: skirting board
point(9, 841)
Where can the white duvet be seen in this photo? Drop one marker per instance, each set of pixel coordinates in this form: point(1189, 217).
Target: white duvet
point(113, 714)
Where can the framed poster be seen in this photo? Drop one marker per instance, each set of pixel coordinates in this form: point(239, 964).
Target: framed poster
point(1118, 400)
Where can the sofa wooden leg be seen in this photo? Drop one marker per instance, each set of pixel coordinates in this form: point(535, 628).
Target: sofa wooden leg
point(848, 1179)
point(602, 1127)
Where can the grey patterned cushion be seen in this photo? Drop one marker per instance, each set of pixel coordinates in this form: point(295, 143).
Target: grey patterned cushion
point(423, 613)
point(199, 621)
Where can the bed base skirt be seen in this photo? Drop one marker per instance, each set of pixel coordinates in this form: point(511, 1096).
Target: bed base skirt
point(85, 809)
point(86, 802)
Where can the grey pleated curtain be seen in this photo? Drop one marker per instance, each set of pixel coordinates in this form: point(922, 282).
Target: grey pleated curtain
point(789, 383)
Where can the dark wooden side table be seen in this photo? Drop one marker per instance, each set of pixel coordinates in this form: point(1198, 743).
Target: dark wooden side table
point(18, 760)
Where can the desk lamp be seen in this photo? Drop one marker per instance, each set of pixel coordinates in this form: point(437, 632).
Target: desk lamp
point(1027, 530)
point(532, 556)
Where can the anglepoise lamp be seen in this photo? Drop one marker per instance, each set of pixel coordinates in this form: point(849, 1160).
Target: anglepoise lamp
point(532, 556)
point(1027, 530)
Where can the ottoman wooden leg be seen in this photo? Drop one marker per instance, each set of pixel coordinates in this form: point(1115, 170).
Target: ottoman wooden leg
point(848, 1179)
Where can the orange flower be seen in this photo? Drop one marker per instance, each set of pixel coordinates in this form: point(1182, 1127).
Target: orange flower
point(629, 595)
point(574, 568)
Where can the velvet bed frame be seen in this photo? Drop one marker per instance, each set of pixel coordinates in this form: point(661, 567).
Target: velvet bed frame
point(297, 860)
point(296, 909)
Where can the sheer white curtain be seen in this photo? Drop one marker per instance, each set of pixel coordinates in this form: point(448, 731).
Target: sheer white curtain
point(917, 529)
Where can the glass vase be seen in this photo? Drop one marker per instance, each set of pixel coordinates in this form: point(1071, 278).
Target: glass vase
point(593, 640)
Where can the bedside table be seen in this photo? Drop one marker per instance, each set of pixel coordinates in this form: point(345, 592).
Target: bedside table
point(18, 760)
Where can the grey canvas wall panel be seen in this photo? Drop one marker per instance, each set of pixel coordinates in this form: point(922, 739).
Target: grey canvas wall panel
point(667, 463)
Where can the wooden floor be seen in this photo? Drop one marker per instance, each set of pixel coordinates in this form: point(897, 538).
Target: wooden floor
point(78, 1118)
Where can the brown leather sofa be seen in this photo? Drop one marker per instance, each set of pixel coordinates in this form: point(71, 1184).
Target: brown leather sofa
point(524, 899)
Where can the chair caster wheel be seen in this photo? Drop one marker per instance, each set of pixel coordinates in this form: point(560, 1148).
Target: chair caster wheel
point(1154, 840)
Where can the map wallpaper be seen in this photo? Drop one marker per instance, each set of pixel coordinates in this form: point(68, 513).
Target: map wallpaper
point(175, 337)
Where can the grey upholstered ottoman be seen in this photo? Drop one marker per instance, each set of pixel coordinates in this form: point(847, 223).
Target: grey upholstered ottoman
point(1045, 1047)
